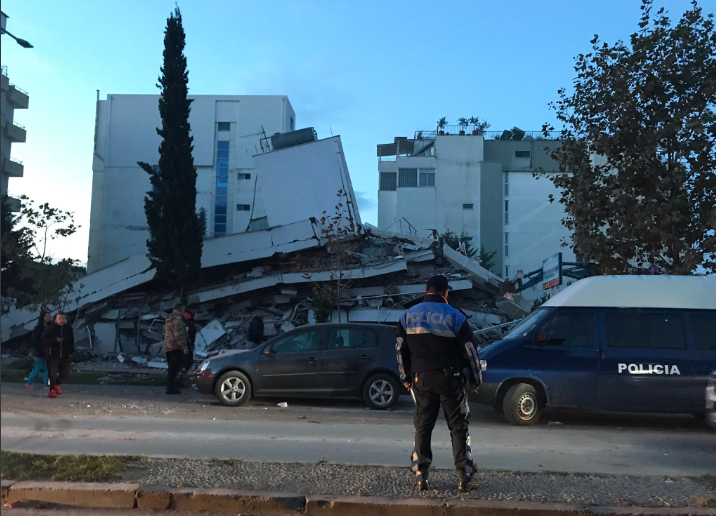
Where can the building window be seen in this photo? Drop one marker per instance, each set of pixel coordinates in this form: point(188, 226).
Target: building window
point(407, 177)
point(507, 272)
point(222, 187)
point(468, 206)
point(507, 244)
point(507, 184)
point(507, 212)
point(243, 207)
point(244, 176)
point(427, 177)
point(388, 181)
point(522, 154)
point(224, 126)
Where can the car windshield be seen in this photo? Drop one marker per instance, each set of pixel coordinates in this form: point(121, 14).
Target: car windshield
point(527, 324)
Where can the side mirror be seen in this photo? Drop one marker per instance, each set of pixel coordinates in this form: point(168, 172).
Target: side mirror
point(268, 351)
point(542, 338)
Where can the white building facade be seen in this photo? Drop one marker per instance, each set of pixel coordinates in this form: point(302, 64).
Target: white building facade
point(228, 131)
point(12, 98)
point(482, 187)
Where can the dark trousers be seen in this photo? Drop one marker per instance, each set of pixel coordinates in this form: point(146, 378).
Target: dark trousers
point(432, 390)
point(174, 361)
point(59, 369)
point(187, 361)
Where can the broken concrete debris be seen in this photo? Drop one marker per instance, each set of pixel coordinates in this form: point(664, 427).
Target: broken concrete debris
point(381, 274)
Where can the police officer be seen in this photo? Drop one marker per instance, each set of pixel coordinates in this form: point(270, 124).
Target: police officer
point(437, 358)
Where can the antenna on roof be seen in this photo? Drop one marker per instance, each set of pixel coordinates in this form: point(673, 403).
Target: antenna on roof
point(331, 128)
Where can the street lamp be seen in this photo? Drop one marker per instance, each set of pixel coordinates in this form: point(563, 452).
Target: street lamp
point(22, 42)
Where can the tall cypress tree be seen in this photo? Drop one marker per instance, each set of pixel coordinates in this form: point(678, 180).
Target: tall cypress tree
point(175, 242)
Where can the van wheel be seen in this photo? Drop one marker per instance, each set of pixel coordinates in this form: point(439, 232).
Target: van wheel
point(521, 405)
point(233, 389)
point(381, 391)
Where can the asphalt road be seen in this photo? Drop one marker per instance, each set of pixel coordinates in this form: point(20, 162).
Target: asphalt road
point(142, 421)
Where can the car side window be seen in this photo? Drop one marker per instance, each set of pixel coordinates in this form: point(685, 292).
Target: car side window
point(569, 329)
point(645, 330)
point(370, 341)
point(345, 338)
point(703, 328)
point(298, 343)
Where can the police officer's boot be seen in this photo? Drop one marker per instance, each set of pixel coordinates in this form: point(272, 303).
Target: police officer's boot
point(464, 487)
point(422, 485)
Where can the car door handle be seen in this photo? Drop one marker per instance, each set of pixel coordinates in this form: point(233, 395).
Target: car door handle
point(311, 359)
point(364, 357)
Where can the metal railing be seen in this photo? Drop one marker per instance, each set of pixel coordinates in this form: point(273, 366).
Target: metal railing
point(19, 126)
point(20, 90)
point(488, 135)
point(17, 161)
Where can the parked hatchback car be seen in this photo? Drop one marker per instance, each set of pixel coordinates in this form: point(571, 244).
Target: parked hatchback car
point(316, 361)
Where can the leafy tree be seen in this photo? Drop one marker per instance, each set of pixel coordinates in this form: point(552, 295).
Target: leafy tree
point(487, 260)
point(336, 229)
point(175, 243)
point(639, 142)
point(31, 277)
point(454, 241)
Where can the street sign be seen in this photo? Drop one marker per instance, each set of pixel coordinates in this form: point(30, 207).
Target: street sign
point(552, 271)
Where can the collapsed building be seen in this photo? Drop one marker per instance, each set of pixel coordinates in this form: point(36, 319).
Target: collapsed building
point(286, 264)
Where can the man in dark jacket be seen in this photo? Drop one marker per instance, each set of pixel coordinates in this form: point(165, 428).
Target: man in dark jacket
point(255, 335)
point(190, 337)
point(435, 348)
point(38, 350)
point(59, 343)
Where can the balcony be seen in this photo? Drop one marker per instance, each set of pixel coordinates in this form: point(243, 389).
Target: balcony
point(14, 205)
point(12, 167)
point(15, 132)
point(18, 98)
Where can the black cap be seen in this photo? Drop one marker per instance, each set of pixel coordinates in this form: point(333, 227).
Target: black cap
point(438, 283)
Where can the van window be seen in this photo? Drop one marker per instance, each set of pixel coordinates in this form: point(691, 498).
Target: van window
point(645, 330)
point(570, 329)
point(527, 324)
point(703, 327)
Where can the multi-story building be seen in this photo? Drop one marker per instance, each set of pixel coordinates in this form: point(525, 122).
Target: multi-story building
point(228, 131)
point(482, 185)
point(12, 98)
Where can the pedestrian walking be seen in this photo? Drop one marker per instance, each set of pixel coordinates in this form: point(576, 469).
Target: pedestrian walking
point(437, 359)
point(255, 335)
point(176, 346)
point(58, 341)
point(38, 351)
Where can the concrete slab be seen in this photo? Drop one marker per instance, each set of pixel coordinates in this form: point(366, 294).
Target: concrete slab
point(157, 498)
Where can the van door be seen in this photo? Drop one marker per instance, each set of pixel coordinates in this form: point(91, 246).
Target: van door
point(703, 336)
point(646, 362)
point(565, 357)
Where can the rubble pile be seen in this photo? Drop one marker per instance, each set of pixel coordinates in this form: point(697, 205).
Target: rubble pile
point(370, 277)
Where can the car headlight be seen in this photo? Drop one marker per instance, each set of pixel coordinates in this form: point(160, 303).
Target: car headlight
point(483, 365)
point(204, 365)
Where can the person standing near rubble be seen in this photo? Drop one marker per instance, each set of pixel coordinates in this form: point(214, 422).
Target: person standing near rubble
point(435, 346)
point(191, 337)
point(176, 346)
point(39, 351)
point(255, 334)
point(58, 341)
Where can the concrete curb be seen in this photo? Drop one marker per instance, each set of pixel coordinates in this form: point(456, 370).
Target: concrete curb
point(128, 496)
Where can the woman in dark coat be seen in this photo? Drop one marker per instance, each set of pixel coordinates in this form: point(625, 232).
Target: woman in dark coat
point(38, 350)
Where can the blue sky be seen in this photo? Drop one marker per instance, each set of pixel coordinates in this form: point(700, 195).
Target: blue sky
point(368, 70)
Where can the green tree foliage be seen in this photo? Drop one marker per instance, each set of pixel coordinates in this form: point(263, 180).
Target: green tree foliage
point(454, 241)
point(202, 221)
point(31, 277)
point(639, 142)
point(487, 260)
point(175, 244)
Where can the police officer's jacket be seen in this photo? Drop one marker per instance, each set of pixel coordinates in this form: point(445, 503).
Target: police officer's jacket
point(433, 335)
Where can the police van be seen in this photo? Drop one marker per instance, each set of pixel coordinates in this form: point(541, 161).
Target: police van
point(613, 343)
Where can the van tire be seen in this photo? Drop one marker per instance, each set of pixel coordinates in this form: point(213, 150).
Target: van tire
point(522, 405)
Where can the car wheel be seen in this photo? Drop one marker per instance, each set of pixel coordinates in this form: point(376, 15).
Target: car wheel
point(233, 389)
point(381, 391)
point(521, 405)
